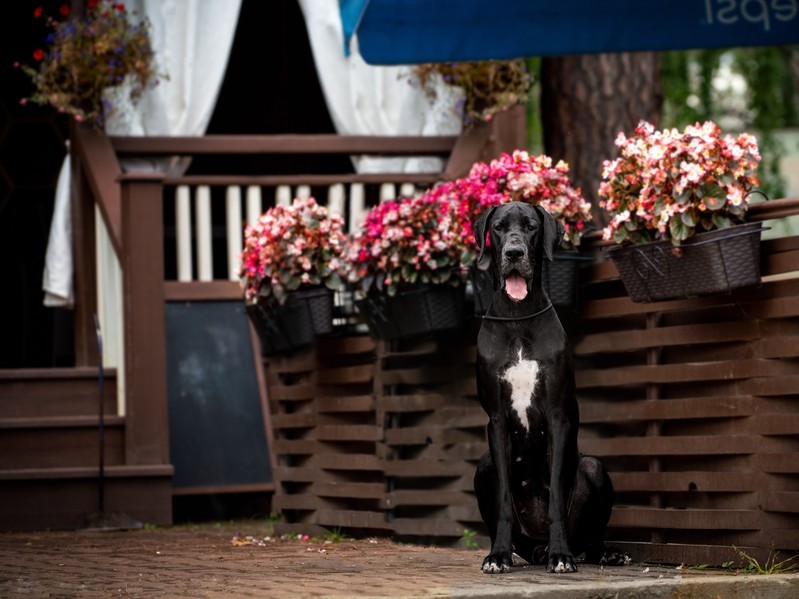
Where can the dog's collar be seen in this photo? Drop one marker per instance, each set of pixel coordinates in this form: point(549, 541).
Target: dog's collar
point(487, 316)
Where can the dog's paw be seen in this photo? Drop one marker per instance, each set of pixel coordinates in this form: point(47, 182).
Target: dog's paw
point(560, 563)
point(614, 557)
point(497, 563)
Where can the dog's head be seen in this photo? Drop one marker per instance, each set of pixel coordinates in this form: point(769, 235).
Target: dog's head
point(521, 235)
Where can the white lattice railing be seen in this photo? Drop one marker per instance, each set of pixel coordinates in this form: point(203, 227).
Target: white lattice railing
point(195, 226)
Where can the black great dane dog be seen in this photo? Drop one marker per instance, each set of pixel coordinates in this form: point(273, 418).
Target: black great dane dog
point(538, 497)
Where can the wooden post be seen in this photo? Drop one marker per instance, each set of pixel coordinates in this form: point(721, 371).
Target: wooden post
point(85, 266)
point(146, 433)
point(654, 428)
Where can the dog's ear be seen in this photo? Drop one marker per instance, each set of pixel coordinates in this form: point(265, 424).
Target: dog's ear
point(480, 229)
point(553, 232)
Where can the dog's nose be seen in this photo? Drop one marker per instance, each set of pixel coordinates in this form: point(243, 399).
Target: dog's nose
point(514, 252)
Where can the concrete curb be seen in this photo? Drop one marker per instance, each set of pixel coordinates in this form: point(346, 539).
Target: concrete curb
point(740, 586)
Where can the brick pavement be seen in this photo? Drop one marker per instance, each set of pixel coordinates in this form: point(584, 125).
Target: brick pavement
point(234, 560)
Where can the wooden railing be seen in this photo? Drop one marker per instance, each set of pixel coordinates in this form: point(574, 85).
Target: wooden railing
point(131, 208)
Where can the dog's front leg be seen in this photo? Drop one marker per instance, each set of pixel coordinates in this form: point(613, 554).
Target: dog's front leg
point(563, 470)
point(501, 556)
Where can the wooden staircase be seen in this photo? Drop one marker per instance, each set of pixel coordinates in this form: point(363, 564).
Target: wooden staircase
point(49, 453)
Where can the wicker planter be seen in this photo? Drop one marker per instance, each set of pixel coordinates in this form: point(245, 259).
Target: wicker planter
point(307, 314)
point(561, 280)
point(713, 262)
point(413, 312)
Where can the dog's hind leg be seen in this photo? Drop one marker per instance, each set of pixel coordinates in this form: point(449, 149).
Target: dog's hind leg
point(592, 503)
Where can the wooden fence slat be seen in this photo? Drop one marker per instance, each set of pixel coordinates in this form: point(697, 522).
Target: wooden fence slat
point(425, 468)
point(776, 424)
point(295, 420)
point(298, 502)
point(351, 519)
point(414, 403)
point(344, 404)
point(295, 446)
point(771, 386)
point(693, 519)
point(347, 461)
point(345, 375)
point(592, 412)
point(619, 341)
point(781, 501)
point(347, 490)
point(434, 497)
point(670, 373)
point(348, 432)
point(695, 482)
point(648, 446)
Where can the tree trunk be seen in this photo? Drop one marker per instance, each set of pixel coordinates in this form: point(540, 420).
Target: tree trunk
point(586, 100)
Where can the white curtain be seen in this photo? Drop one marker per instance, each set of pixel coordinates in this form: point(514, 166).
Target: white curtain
point(369, 100)
point(192, 41)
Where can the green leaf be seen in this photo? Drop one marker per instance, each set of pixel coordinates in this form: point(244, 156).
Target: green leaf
point(683, 198)
point(333, 282)
point(713, 190)
point(678, 229)
point(721, 222)
point(689, 218)
point(715, 203)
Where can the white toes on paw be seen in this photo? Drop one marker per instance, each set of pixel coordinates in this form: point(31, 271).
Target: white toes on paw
point(563, 567)
point(495, 568)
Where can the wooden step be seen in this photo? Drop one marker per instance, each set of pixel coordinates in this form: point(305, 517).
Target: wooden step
point(34, 392)
point(59, 441)
point(61, 498)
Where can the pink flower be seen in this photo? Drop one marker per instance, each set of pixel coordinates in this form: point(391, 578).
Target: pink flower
point(300, 244)
point(661, 175)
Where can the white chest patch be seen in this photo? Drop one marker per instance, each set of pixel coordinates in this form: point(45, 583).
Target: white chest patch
point(522, 378)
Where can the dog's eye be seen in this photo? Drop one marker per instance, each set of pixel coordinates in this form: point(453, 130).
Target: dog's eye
point(499, 228)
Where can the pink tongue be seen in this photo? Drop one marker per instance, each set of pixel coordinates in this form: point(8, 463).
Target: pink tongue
point(516, 287)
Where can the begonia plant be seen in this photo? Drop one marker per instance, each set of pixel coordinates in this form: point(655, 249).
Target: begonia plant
point(672, 185)
point(301, 245)
point(519, 177)
point(410, 241)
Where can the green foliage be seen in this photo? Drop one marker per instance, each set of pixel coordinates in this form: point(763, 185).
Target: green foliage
point(771, 101)
point(271, 520)
point(772, 565)
point(469, 539)
point(336, 535)
point(535, 128)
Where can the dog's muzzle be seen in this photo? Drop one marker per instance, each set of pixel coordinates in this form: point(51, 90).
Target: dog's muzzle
point(516, 269)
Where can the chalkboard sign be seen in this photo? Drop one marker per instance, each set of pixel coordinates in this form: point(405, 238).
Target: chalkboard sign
point(217, 436)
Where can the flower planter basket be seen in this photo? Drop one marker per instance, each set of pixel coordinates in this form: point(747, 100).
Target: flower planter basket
point(307, 314)
point(712, 262)
point(413, 312)
point(561, 279)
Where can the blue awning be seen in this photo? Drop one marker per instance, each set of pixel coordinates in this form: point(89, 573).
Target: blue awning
point(416, 31)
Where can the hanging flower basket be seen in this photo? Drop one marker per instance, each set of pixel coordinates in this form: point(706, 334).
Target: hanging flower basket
point(412, 312)
point(561, 280)
point(707, 263)
point(306, 315)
